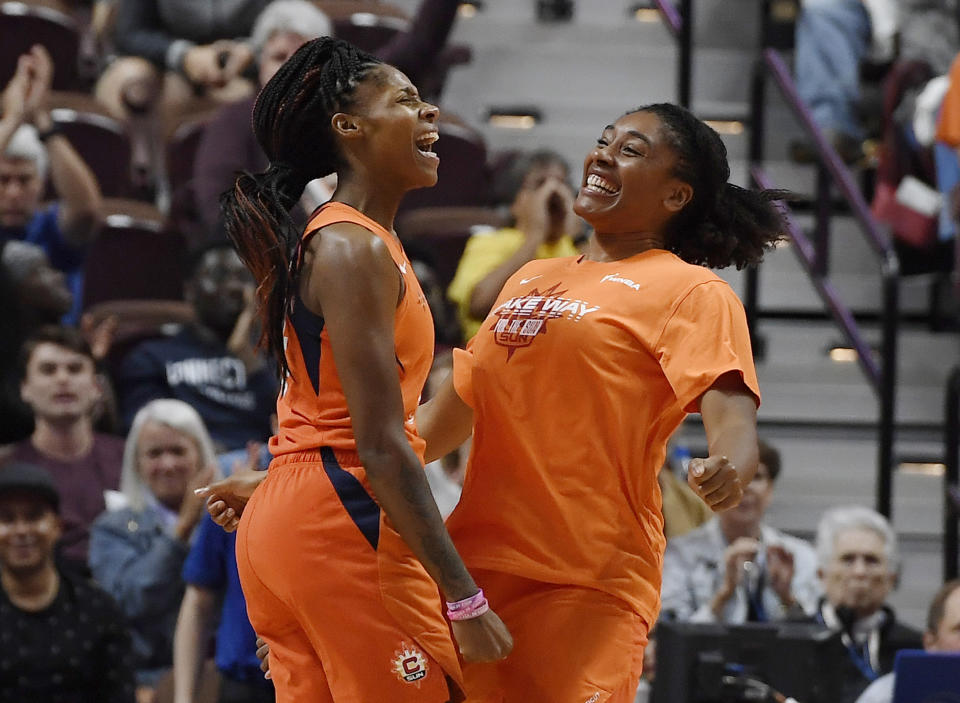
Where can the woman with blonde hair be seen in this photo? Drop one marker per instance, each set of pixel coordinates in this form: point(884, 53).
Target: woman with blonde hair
point(138, 546)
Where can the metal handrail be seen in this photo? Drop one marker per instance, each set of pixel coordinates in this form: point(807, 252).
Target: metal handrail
point(814, 254)
point(880, 241)
point(831, 169)
point(671, 16)
point(680, 24)
point(806, 252)
point(951, 477)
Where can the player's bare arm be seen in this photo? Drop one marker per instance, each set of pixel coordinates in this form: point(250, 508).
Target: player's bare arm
point(445, 421)
point(729, 412)
point(350, 279)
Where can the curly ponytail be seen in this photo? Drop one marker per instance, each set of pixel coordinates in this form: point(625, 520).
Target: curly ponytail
point(291, 120)
point(723, 224)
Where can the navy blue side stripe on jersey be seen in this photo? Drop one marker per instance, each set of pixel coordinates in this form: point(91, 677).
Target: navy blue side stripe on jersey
point(361, 508)
point(308, 327)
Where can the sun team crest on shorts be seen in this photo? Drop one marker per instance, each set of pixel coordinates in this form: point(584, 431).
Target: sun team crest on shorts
point(409, 664)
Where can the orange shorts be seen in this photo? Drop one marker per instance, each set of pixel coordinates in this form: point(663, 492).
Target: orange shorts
point(571, 645)
point(350, 615)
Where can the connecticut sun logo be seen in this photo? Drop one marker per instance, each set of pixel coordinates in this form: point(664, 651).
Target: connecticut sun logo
point(409, 664)
point(521, 318)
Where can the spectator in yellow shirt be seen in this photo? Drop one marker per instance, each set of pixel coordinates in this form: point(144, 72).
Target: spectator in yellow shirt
point(536, 188)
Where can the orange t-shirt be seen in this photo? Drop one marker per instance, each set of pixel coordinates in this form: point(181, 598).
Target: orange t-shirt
point(948, 128)
point(577, 378)
point(312, 409)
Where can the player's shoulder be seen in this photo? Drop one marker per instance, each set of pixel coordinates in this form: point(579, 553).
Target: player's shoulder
point(691, 283)
point(346, 246)
point(672, 269)
point(544, 266)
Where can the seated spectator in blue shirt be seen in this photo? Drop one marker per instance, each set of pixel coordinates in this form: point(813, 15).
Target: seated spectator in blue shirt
point(210, 574)
point(63, 638)
point(138, 546)
point(30, 147)
point(735, 568)
point(210, 364)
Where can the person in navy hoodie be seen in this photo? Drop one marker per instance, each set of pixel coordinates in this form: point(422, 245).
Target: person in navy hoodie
point(211, 364)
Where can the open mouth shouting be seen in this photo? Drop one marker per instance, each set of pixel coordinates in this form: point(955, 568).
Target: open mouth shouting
point(425, 145)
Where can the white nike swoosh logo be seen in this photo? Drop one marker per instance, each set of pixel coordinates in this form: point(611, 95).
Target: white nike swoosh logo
point(525, 281)
point(402, 267)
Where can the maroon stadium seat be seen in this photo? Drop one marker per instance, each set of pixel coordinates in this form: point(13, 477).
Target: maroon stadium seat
point(463, 176)
point(136, 256)
point(367, 24)
point(181, 151)
point(443, 232)
point(102, 141)
point(22, 25)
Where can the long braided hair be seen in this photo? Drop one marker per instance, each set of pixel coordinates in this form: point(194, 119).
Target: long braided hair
point(291, 120)
point(723, 224)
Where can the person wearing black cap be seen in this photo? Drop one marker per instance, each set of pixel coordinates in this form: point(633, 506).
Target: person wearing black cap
point(64, 638)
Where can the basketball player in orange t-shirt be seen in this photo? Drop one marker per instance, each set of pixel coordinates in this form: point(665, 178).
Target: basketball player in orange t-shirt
point(580, 373)
point(341, 548)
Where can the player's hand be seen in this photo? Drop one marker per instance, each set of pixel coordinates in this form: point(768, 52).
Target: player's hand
point(482, 639)
point(716, 481)
point(226, 499)
point(263, 654)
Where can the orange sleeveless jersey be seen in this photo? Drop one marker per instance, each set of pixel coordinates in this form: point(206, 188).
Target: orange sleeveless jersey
point(579, 375)
point(312, 409)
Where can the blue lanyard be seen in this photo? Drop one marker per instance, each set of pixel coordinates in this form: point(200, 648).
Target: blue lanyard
point(755, 597)
point(862, 661)
point(756, 601)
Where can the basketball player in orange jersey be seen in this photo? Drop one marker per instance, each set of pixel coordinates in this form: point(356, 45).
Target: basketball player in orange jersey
point(341, 549)
point(582, 370)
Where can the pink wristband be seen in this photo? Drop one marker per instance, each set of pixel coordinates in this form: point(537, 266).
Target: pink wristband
point(468, 608)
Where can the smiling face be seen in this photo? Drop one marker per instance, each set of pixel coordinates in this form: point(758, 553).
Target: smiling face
point(29, 529)
point(167, 459)
point(218, 289)
point(628, 178)
point(390, 131)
